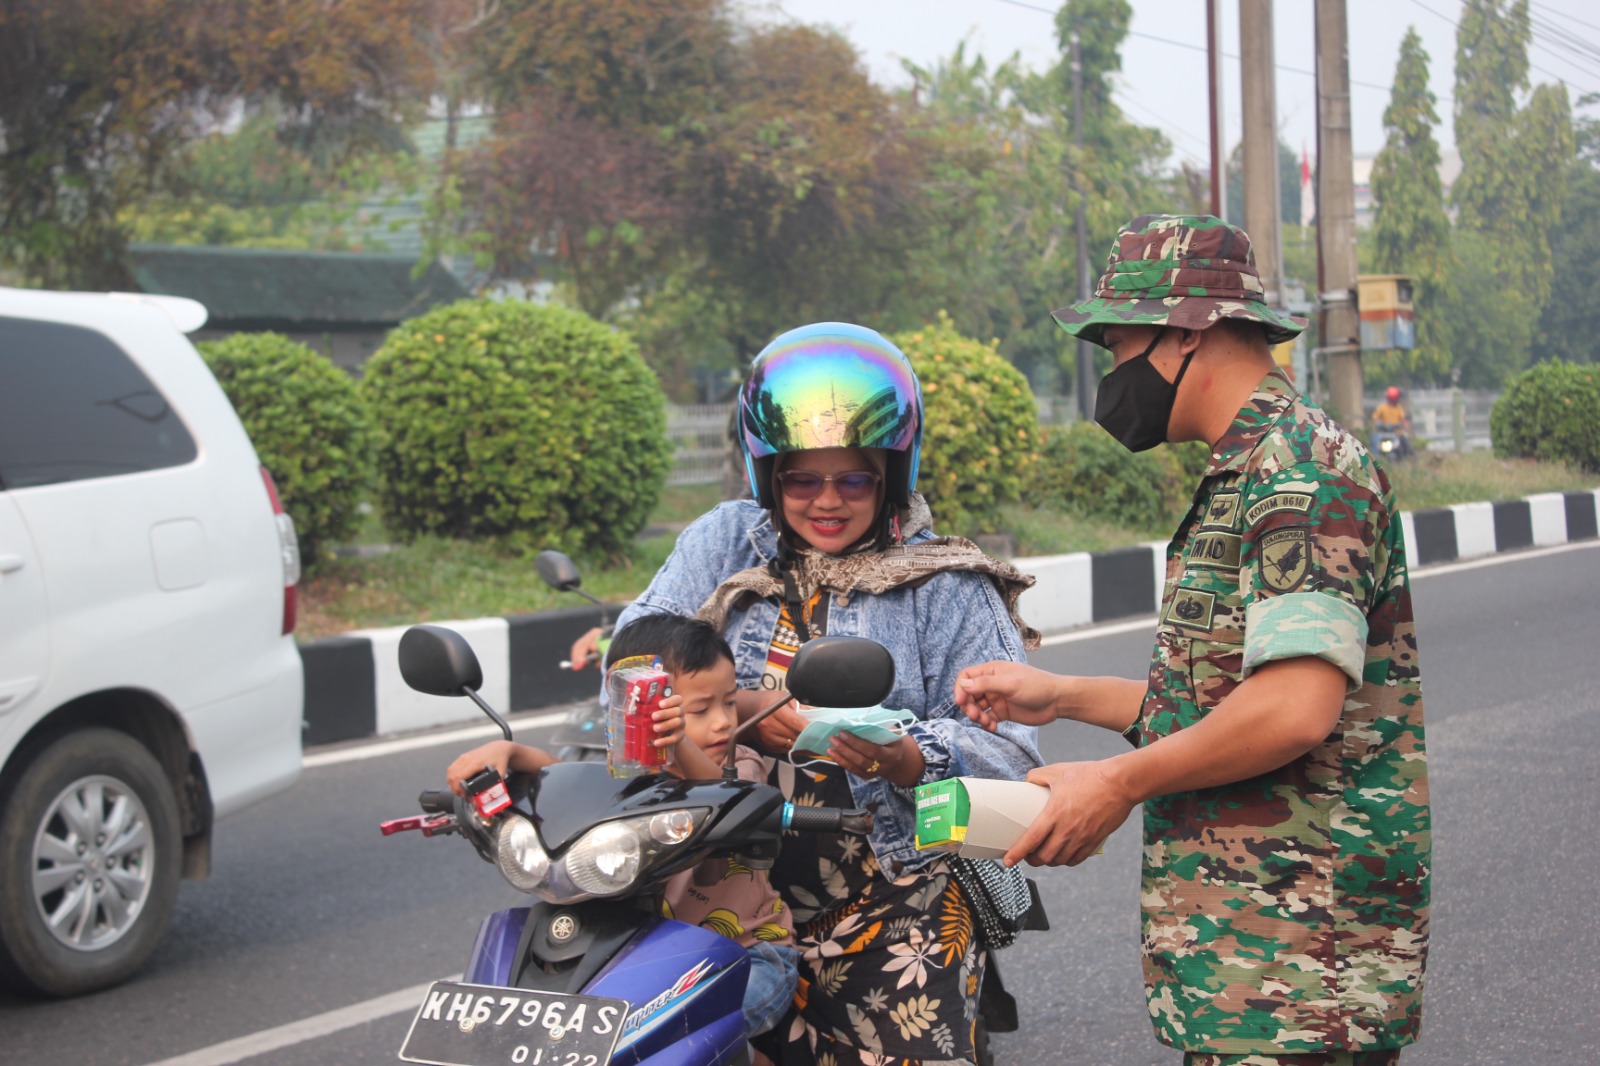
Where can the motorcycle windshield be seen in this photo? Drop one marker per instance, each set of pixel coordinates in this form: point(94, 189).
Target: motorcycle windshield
point(569, 799)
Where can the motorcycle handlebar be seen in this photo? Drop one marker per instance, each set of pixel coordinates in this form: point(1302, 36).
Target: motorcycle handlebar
point(437, 800)
point(826, 819)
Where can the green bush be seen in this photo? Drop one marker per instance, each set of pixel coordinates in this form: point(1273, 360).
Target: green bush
point(980, 442)
point(533, 424)
point(310, 428)
point(1552, 412)
point(1084, 471)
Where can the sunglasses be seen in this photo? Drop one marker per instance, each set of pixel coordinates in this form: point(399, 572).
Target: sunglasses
point(857, 485)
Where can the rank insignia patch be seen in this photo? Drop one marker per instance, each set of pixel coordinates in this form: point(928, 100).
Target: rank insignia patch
point(1285, 558)
point(1222, 512)
point(1192, 608)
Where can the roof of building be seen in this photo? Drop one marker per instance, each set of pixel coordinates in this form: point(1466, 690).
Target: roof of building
point(256, 288)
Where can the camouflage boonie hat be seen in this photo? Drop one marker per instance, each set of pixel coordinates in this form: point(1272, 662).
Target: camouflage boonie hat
point(1185, 271)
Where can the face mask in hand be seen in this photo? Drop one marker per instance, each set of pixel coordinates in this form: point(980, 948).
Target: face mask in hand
point(1134, 402)
point(875, 725)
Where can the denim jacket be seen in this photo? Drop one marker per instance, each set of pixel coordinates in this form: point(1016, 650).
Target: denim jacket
point(956, 619)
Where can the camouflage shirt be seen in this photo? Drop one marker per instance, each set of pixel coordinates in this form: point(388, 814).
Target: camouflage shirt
point(1288, 913)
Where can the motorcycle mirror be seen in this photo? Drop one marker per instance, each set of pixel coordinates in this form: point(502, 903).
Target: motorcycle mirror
point(438, 661)
point(841, 672)
point(557, 570)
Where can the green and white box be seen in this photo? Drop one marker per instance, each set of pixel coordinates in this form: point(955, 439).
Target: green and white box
point(976, 817)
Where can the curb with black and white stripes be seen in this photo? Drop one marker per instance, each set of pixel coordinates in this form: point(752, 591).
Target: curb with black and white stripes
point(354, 689)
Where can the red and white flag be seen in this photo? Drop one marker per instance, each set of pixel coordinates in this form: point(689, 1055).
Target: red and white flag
point(1306, 197)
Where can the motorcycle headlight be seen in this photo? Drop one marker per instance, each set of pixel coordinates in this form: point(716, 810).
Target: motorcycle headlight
point(522, 858)
point(608, 860)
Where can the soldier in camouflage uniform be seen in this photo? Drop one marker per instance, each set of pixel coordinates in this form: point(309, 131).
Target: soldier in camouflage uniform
point(1279, 737)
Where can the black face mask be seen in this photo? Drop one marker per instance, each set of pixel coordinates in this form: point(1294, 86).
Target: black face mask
point(1134, 402)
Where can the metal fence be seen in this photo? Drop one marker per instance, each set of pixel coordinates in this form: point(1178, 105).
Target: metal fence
point(699, 432)
point(699, 435)
point(1434, 413)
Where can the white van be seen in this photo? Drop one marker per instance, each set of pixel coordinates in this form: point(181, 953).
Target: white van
point(149, 681)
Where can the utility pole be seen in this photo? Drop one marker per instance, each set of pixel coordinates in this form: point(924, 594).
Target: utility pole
point(1258, 100)
point(1219, 171)
point(1340, 342)
point(1086, 382)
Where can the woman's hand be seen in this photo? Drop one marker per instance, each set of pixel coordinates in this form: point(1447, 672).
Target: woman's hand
point(586, 649)
point(899, 763)
point(496, 753)
point(668, 718)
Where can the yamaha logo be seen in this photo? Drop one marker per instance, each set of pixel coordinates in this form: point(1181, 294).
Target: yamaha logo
point(563, 927)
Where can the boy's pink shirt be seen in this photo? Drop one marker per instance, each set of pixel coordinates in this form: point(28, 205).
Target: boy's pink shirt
point(746, 894)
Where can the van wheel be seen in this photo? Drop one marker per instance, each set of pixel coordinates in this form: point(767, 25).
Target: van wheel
point(90, 853)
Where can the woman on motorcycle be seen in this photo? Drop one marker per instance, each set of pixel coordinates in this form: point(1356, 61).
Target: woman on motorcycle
point(838, 541)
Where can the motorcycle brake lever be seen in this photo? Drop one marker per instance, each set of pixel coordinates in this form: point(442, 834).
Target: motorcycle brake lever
point(430, 824)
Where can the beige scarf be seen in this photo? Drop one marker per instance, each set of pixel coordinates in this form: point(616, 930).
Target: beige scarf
point(898, 566)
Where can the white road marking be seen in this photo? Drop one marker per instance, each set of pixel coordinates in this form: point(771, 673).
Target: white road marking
point(1437, 569)
point(380, 748)
point(313, 1028)
point(1432, 570)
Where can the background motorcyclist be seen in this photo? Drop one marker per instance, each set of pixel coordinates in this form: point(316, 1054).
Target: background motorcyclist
point(1392, 414)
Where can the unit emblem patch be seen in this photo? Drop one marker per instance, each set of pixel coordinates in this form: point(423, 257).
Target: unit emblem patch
point(1222, 512)
point(1192, 608)
point(1285, 558)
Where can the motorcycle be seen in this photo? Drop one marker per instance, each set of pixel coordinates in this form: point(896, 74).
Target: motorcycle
point(582, 737)
point(591, 974)
point(1389, 441)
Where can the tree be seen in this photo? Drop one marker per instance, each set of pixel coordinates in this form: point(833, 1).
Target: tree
point(1288, 184)
point(1000, 250)
point(249, 188)
point(1567, 329)
point(677, 165)
point(1411, 232)
point(1514, 167)
point(96, 97)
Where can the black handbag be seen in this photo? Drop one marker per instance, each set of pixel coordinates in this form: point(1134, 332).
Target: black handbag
point(1004, 902)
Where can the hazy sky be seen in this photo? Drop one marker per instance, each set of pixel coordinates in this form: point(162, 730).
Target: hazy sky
point(1163, 80)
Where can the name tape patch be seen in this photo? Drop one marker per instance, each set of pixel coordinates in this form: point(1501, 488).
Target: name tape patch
point(1280, 501)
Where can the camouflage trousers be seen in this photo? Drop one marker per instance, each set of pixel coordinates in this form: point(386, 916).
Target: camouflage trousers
point(1390, 1057)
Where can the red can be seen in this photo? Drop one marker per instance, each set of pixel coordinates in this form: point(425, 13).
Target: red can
point(646, 690)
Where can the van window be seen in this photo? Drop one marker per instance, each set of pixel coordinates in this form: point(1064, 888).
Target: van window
point(73, 405)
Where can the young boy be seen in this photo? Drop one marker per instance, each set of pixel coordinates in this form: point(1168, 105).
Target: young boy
point(697, 722)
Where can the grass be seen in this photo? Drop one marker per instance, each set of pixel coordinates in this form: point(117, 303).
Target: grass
point(436, 579)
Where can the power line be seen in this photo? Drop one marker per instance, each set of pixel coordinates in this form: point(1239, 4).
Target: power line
point(1178, 44)
point(1531, 64)
point(1570, 18)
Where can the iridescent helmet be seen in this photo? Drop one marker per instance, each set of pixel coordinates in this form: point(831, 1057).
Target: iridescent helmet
point(831, 385)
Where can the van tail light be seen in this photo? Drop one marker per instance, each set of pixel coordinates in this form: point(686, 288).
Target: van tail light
point(289, 549)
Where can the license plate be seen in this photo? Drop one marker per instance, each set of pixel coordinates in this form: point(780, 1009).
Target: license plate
point(485, 1025)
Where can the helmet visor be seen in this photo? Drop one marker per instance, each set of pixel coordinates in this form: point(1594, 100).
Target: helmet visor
point(830, 389)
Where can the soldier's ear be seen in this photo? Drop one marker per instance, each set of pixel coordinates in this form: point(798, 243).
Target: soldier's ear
point(1189, 340)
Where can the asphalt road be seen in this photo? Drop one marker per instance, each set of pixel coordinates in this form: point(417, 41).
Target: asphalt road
point(311, 911)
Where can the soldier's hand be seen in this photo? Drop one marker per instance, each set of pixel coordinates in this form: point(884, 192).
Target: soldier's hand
point(1085, 807)
point(996, 692)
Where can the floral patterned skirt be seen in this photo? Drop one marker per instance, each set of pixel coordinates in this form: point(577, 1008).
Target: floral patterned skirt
point(889, 970)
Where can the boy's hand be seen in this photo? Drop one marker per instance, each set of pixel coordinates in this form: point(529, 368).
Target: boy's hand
point(669, 721)
point(496, 753)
